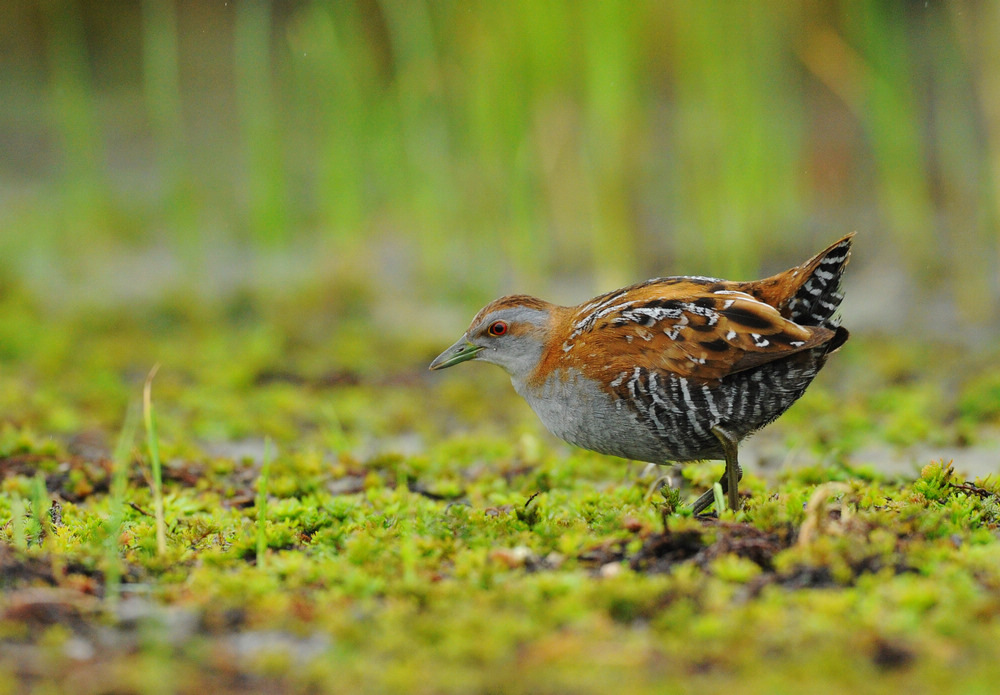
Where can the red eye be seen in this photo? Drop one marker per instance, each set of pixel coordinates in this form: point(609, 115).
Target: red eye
point(497, 328)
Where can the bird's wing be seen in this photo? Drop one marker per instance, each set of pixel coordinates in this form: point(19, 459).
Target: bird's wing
point(699, 328)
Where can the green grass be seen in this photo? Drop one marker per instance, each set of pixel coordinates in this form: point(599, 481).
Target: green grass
point(497, 149)
point(156, 468)
point(483, 557)
point(115, 518)
point(261, 505)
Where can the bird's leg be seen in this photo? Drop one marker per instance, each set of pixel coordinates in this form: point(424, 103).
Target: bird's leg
point(703, 502)
point(733, 470)
point(706, 500)
point(729, 480)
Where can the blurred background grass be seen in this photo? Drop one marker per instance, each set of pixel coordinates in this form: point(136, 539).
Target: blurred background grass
point(442, 153)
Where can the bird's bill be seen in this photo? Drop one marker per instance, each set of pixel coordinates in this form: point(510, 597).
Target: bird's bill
point(461, 351)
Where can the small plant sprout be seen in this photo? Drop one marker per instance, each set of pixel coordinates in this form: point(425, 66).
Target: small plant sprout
point(336, 437)
point(261, 504)
point(18, 516)
point(39, 505)
point(720, 498)
point(116, 502)
point(154, 458)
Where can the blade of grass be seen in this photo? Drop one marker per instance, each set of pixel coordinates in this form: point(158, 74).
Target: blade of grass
point(610, 94)
point(895, 130)
point(18, 523)
point(720, 498)
point(119, 485)
point(161, 66)
point(39, 505)
point(259, 120)
point(83, 189)
point(335, 436)
point(261, 504)
point(154, 457)
point(335, 77)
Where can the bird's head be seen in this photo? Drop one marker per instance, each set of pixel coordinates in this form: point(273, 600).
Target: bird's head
point(511, 332)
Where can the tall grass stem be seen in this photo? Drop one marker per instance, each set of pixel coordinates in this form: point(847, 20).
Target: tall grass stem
point(116, 517)
point(261, 504)
point(153, 443)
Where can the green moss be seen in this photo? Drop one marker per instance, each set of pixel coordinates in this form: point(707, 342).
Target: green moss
point(422, 533)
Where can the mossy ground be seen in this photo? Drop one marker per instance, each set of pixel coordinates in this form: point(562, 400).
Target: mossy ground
point(423, 535)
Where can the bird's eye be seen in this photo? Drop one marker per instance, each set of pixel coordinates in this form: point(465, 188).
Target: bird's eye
point(497, 328)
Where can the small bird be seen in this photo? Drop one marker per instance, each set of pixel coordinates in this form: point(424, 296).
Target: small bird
point(673, 369)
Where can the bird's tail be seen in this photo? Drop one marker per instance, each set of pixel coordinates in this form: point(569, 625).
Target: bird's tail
point(809, 294)
point(817, 299)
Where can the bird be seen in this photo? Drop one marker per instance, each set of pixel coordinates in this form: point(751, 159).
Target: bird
point(670, 370)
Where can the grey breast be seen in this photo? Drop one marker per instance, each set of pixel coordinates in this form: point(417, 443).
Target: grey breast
point(578, 411)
